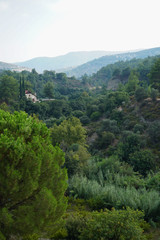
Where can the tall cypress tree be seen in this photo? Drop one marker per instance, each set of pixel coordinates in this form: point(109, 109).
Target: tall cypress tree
point(23, 87)
point(20, 88)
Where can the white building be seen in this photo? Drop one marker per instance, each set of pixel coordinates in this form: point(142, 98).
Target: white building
point(31, 96)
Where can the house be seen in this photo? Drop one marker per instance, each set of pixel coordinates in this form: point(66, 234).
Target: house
point(31, 96)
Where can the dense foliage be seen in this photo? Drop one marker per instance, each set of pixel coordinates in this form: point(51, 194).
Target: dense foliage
point(122, 224)
point(108, 125)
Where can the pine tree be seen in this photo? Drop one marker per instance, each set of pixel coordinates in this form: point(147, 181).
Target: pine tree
point(32, 180)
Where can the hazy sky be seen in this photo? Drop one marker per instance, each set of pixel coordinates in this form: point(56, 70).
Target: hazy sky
point(33, 28)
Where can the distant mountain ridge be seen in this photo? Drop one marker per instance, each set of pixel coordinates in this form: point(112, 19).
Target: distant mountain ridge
point(78, 63)
point(12, 67)
point(96, 64)
point(63, 62)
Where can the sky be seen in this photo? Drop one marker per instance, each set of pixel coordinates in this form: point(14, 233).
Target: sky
point(37, 28)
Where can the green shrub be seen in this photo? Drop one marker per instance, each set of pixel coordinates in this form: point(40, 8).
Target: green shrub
point(154, 94)
point(138, 128)
point(140, 94)
point(153, 181)
point(154, 132)
point(77, 113)
point(95, 116)
point(142, 161)
point(109, 126)
point(125, 224)
point(130, 143)
point(118, 225)
point(60, 234)
point(105, 139)
point(110, 195)
point(75, 222)
point(2, 236)
point(31, 237)
point(117, 116)
point(111, 170)
point(84, 119)
point(81, 187)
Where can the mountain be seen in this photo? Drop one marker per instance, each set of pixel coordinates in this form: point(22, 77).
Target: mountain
point(94, 65)
point(12, 67)
point(60, 63)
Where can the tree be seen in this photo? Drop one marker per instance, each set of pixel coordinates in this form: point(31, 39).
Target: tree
point(140, 94)
point(76, 158)
point(154, 94)
point(28, 86)
point(95, 116)
point(9, 90)
point(143, 161)
point(48, 89)
point(22, 87)
point(105, 139)
point(154, 75)
point(33, 78)
point(69, 132)
point(49, 75)
point(85, 120)
point(107, 225)
point(62, 77)
point(32, 182)
point(132, 83)
point(110, 126)
point(115, 99)
point(153, 181)
point(85, 79)
point(131, 143)
point(154, 132)
point(125, 73)
point(116, 73)
point(72, 138)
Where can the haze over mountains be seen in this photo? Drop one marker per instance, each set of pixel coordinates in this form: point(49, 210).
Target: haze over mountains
point(60, 63)
point(78, 63)
point(96, 64)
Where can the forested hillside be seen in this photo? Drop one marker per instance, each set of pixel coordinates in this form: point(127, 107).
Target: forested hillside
point(110, 135)
point(93, 66)
point(121, 71)
point(68, 60)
